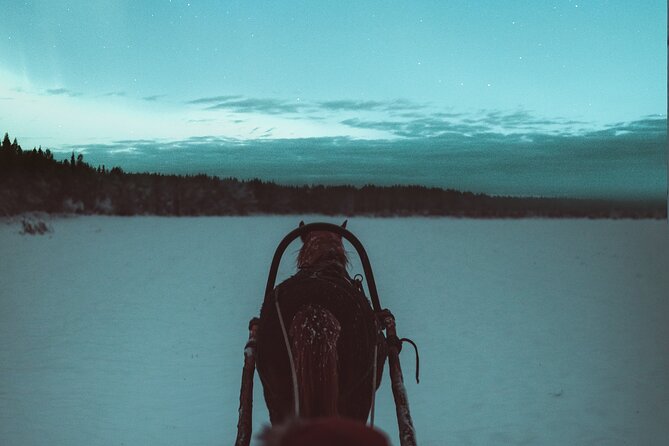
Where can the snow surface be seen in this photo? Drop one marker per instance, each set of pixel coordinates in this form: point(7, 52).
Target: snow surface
point(131, 331)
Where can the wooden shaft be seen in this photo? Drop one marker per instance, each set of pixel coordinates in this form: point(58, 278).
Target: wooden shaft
point(244, 424)
point(405, 423)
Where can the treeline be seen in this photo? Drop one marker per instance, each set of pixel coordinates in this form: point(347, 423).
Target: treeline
point(34, 181)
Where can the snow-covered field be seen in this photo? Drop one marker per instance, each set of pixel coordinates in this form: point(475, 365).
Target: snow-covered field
point(130, 331)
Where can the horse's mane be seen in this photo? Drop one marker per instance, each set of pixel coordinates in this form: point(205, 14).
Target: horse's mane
point(314, 333)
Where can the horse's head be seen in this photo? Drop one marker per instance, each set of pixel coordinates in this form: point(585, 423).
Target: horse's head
point(321, 246)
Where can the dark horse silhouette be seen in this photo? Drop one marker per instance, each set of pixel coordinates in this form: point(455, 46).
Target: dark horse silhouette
point(333, 336)
point(323, 432)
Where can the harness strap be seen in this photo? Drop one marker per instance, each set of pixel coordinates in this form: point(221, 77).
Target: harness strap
point(371, 415)
point(293, 373)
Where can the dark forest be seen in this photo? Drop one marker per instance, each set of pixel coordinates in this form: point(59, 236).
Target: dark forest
point(34, 181)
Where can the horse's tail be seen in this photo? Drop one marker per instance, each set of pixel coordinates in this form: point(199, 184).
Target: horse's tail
point(314, 332)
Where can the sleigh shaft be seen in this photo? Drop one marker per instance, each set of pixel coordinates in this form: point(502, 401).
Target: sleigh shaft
point(244, 424)
point(407, 432)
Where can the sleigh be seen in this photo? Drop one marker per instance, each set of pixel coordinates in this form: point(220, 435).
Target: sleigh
point(384, 321)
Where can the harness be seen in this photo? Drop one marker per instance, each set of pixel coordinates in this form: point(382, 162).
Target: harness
point(331, 286)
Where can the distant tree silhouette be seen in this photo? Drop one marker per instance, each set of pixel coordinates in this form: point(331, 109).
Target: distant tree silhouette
point(16, 147)
point(6, 144)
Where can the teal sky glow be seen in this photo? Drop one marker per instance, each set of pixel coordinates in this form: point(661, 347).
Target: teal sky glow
point(526, 97)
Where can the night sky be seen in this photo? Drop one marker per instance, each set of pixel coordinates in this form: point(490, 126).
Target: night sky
point(559, 98)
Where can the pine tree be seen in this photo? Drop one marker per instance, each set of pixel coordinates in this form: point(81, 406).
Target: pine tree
point(6, 144)
point(16, 148)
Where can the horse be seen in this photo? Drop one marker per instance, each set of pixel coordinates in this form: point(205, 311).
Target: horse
point(331, 431)
point(320, 352)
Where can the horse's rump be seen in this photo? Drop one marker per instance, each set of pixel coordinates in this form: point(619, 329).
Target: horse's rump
point(355, 347)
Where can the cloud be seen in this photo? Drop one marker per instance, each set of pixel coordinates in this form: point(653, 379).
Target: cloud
point(650, 125)
point(390, 126)
point(136, 141)
point(397, 118)
point(397, 105)
point(433, 124)
point(403, 105)
point(424, 127)
point(61, 92)
point(214, 99)
point(250, 105)
point(350, 105)
point(447, 115)
point(242, 104)
point(70, 93)
point(522, 120)
point(115, 93)
point(153, 98)
point(200, 120)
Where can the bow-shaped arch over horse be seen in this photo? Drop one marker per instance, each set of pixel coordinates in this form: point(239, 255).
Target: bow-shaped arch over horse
point(318, 344)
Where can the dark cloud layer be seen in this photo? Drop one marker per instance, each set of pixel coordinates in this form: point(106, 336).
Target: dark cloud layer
point(423, 125)
point(624, 161)
point(241, 104)
point(399, 117)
